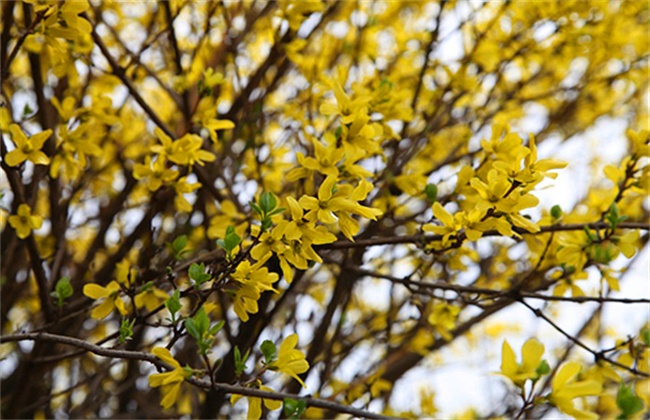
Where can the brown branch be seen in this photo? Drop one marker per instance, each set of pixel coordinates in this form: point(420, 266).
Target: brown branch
point(598, 355)
point(148, 357)
point(485, 291)
point(21, 39)
point(421, 238)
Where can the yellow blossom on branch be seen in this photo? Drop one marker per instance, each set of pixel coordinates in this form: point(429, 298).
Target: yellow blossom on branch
point(24, 222)
point(27, 148)
point(255, 404)
point(169, 382)
point(531, 354)
point(566, 388)
point(290, 361)
point(111, 299)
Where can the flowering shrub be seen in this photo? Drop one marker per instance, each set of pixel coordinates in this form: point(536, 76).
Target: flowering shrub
point(233, 208)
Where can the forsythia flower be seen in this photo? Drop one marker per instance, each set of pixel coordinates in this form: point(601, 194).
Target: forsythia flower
point(170, 382)
point(342, 201)
point(150, 297)
point(255, 404)
point(531, 354)
point(27, 148)
point(290, 361)
point(111, 295)
point(253, 280)
point(156, 173)
point(451, 224)
point(566, 389)
point(24, 221)
point(182, 187)
point(443, 319)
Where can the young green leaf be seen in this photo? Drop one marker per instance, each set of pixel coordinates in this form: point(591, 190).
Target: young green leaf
point(432, 192)
point(173, 303)
point(269, 351)
point(268, 202)
point(62, 290)
point(628, 402)
point(198, 275)
point(293, 408)
point(126, 330)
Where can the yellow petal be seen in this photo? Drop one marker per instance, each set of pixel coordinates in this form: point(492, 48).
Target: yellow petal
point(254, 408)
point(95, 291)
point(15, 158)
point(567, 372)
point(508, 360)
point(531, 354)
point(163, 354)
point(103, 310)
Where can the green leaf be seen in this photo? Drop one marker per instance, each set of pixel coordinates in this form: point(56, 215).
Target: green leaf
point(179, 243)
point(293, 408)
point(231, 241)
point(173, 303)
point(62, 290)
point(202, 322)
point(240, 362)
point(198, 274)
point(269, 351)
point(338, 132)
point(191, 328)
point(217, 327)
point(432, 192)
point(556, 212)
point(126, 330)
point(268, 202)
point(543, 368)
point(255, 208)
point(27, 111)
point(627, 401)
point(592, 237)
point(276, 211)
point(266, 223)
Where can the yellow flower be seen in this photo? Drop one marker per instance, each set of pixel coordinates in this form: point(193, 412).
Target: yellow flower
point(497, 194)
point(182, 187)
point(155, 173)
point(566, 389)
point(345, 107)
point(443, 319)
point(151, 297)
point(27, 148)
point(169, 382)
point(255, 404)
point(206, 113)
point(167, 148)
point(190, 151)
point(341, 200)
point(185, 151)
point(531, 354)
point(325, 160)
point(540, 168)
point(626, 241)
point(23, 222)
point(253, 280)
point(451, 224)
point(299, 228)
point(111, 296)
point(270, 242)
point(290, 361)
point(213, 125)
